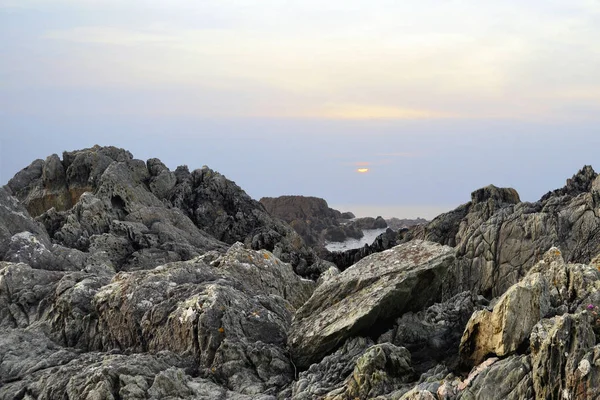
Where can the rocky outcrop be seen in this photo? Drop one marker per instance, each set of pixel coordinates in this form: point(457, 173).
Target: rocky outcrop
point(563, 351)
point(498, 239)
point(143, 215)
point(137, 282)
point(403, 223)
point(312, 218)
point(227, 316)
point(380, 370)
point(495, 379)
point(368, 297)
point(501, 331)
point(557, 352)
point(433, 335)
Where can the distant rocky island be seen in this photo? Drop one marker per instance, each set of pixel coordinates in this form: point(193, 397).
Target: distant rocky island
point(122, 279)
point(317, 223)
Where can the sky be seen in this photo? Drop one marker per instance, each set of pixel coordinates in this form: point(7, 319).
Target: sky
point(433, 98)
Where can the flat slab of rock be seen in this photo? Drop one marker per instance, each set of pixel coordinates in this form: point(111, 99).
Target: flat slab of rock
point(367, 296)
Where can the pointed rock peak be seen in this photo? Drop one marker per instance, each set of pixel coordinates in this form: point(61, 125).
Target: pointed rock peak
point(553, 255)
point(581, 182)
point(499, 195)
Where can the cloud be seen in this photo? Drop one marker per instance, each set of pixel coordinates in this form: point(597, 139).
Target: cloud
point(397, 154)
point(345, 61)
point(110, 36)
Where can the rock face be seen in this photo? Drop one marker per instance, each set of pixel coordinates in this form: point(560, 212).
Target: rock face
point(433, 335)
point(367, 297)
point(557, 352)
point(501, 331)
point(498, 239)
point(142, 215)
point(137, 282)
point(225, 315)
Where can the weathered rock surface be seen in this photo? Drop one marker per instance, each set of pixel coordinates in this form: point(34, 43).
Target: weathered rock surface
point(137, 282)
point(380, 370)
point(329, 375)
point(510, 378)
point(229, 318)
point(367, 297)
point(433, 335)
point(498, 239)
point(565, 357)
point(501, 331)
point(143, 215)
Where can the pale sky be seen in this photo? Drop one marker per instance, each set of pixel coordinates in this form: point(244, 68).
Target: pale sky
point(435, 98)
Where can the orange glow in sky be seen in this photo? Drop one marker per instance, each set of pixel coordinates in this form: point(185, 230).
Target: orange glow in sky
point(362, 170)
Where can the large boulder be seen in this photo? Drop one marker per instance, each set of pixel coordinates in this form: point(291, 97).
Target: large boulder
point(366, 298)
point(502, 331)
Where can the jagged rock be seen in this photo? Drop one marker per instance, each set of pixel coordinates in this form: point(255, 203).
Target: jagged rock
point(368, 297)
point(498, 239)
point(121, 188)
point(23, 292)
point(501, 331)
point(14, 220)
point(433, 335)
point(233, 325)
point(221, 208)
point(509, 379)
point(581, 182)
point(397, 223)
point(561, 350)
point(261, 273)
point(329, 375)
point(572, 286)
point(380, 370)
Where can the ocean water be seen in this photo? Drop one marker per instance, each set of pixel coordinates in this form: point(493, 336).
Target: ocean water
point(368, 238)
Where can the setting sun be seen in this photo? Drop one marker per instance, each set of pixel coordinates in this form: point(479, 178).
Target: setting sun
point(362, 170)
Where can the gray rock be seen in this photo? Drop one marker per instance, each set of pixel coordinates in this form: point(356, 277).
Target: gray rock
point(23, 292)
point(14, 219)
point(433, 335)
point(509, 379)
point(329, 375)
point(498, 239)
point(373, 292)
point(561, 350)
point(222, 209)
point(380, 370)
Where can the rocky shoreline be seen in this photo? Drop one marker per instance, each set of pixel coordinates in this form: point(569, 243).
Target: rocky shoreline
point(121, 279)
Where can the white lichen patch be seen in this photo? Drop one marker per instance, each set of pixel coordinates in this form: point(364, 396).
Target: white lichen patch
point(107, 291)
point(188, 314)
point(584, 367)
point(145, 304)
